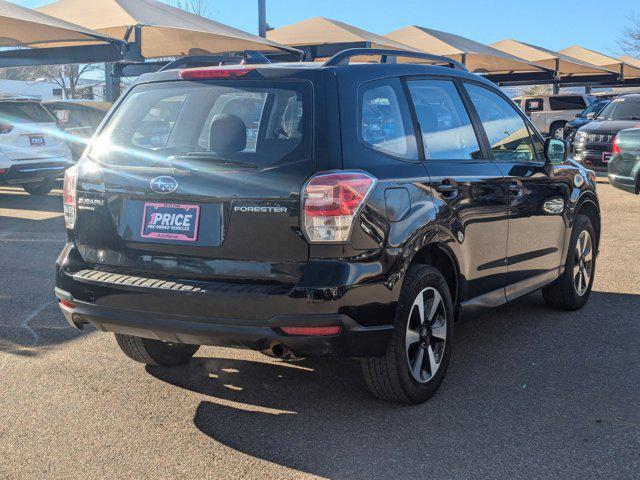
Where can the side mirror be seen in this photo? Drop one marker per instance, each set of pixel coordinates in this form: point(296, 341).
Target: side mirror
point(556, 151)
point(591, 116)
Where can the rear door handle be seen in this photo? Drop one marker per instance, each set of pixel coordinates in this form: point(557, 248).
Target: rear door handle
point(516, 188)
point(447, 186)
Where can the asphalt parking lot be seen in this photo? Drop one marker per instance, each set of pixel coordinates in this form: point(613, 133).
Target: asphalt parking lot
point(531, 393)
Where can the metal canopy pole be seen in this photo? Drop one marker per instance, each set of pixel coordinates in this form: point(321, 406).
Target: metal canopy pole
point(262, 18)
point(113, 71)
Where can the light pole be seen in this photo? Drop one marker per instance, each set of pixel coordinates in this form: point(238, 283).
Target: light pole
point(262, 18)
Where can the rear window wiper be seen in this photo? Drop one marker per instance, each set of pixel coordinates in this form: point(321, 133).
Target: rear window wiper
point(190, 161)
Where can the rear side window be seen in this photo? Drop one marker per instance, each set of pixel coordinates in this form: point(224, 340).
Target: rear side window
point(446, 129)
point(24, 112)
point(506, 130)
point(259, 123)
point(567, 103)
point(155, 127)
point(385, 122)
point(534, 105)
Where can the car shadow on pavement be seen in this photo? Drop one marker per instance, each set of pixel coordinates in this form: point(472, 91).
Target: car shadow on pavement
point(523, 379)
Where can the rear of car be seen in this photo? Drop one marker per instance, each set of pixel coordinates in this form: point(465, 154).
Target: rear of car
point(624, 166)
point(33, 152)
point(594, 142)
point(187, 223)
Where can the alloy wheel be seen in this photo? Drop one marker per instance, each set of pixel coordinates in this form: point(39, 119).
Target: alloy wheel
point(559, 133)
point(583, 263)
point(426, 335)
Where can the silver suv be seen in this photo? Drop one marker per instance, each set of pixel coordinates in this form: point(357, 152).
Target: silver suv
point(550, 113)
point(33, 152)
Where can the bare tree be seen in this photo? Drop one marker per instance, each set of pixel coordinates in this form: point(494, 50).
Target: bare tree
point(538, 90)
point(204, 8)
point(67, 77)
point(630, 41)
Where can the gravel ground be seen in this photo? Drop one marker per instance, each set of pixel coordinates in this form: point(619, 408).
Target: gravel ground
point(530, 393)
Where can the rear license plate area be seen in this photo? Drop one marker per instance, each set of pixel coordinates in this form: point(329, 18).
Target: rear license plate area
point(170, 221)
point(36, 141)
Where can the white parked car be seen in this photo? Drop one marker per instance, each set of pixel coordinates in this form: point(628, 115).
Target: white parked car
point(33, 151)
point(550, 113)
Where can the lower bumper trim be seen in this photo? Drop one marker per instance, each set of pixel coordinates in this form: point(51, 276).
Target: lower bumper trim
point(354, 340)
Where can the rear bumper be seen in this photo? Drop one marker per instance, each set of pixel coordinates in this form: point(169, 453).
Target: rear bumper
point(624, 183)
point(19, 173)
point(207, 313)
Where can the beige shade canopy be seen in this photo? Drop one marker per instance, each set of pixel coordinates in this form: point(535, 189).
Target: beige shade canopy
point(595, 58)
point(567, 66)
point(477, 57)
point(166, 31)
point(23, 27)
point(325, 31)
point(633, 61)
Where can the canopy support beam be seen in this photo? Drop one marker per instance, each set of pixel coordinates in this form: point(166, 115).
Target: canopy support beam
point(33, 57)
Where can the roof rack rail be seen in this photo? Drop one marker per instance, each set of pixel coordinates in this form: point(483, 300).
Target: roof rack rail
point(389, 56)
point(248, 57)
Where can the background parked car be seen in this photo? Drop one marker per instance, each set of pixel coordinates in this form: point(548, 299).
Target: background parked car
point(550, 113)
point(33, 153)
point(624, 166)
point(593, 144)
point(78, 118)
point(584, 117)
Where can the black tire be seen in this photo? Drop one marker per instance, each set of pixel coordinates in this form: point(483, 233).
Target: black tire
point(390, 377)
point(553, 131)
point(40, 188)
point(563, 293)
point(155, 352)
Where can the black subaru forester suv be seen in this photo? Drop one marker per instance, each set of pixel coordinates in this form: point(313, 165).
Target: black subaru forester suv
point(308, 209)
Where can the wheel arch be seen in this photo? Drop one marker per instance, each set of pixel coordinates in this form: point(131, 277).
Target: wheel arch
point(588, 207)
point(557, 122)
point(439, 256)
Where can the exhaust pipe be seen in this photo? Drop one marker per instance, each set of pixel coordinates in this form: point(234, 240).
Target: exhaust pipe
point(278, 350)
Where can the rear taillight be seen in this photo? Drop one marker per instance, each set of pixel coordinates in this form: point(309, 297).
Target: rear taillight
point(69, 196)
point(331, 203)
point(616, 146)
point(213, 72)
point(5, 128)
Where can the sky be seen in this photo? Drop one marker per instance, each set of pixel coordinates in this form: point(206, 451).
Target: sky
point(553, 24)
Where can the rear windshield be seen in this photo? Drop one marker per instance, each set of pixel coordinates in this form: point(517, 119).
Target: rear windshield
point(24, 112)
point(622, 108)
point(182, 124)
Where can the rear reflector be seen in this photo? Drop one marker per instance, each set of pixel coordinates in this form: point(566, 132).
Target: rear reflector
point(312, 331)
point(67, 304)
point(214, 72)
